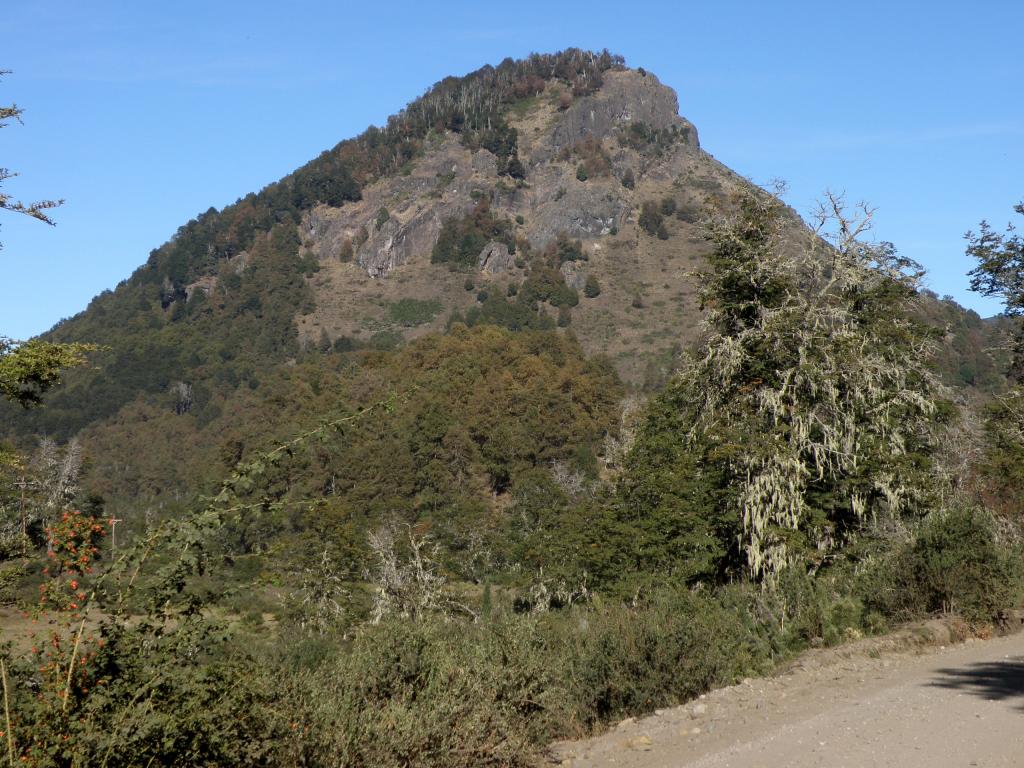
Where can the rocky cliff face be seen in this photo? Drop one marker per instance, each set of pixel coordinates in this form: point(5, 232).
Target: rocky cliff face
point(589, 167)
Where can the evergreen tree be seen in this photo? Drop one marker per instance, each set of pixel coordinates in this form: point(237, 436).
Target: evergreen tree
point(811, 399)
point(1000, 272)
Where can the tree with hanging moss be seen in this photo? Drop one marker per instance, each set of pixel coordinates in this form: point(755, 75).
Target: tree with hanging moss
point(811, 402)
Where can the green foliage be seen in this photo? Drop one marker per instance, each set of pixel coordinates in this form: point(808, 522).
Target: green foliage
point(1000, 272)
point(651, 221)
point(563, 249)
point(29, 370)
point(245, 325)
point(628, 180)
point(413, 312)
point(419, 694)
point(592, 288)
point(647, 140)
point(954, 562)
point(383, 216)
point(804, 439)
point(958, 566)
point(517, 315)
point(581, 172)
point(1001, 465)
point(462, 239)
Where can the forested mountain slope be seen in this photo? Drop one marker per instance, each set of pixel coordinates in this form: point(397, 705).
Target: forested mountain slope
point(559, 192)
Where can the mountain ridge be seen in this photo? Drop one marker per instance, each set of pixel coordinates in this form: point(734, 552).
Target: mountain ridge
point(561, 191)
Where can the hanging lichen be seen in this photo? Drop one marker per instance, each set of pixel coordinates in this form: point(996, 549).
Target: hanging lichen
point(813, 377)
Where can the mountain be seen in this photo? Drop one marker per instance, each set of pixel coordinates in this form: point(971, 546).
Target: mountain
point(561, 191)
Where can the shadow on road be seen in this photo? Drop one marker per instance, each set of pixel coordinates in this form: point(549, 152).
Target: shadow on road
point(996, 680)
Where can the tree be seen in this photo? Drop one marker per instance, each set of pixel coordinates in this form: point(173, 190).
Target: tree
point(811, 398)
point(38, 209)
point(1000, 272)
point(651, 221)
point(28, 370)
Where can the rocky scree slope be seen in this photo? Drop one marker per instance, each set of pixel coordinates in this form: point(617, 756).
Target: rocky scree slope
point(588, 169)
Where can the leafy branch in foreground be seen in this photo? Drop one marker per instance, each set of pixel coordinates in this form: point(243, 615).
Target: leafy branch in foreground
point(38, 209)
point(154, 687)
point(28, 370)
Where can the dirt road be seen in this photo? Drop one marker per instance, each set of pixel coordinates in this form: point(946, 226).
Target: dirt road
point(958, 705)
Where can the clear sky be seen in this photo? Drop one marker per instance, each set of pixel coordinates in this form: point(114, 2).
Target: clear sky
point(143, 114)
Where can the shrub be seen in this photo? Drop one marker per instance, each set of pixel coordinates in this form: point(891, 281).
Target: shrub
point(412, 312)
point(628, 181)
point(421, 694)
point(461, 239)
point(959, 566)
point(954, 563)
point(581, 172)
point(651, 220)
point(346, 253)
point(592, 288)
point(382, 217)
point(668, 206)
point(563, 249)
point(632, 660)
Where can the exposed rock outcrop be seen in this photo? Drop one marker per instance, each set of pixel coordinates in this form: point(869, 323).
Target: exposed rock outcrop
point(495, 259)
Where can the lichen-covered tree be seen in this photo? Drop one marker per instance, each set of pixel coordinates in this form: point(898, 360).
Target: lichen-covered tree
point(811, 399)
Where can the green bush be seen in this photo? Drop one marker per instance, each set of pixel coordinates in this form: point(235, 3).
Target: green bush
point(592, 288)
point(677, 646)
point(412, 312)
point(433, 694)
point(462, 238)
point(651, 220)
point(436, 693)
point(954, 563)
point(958, 565)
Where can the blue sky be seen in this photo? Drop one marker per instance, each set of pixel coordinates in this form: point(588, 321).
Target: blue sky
point(141, 115)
